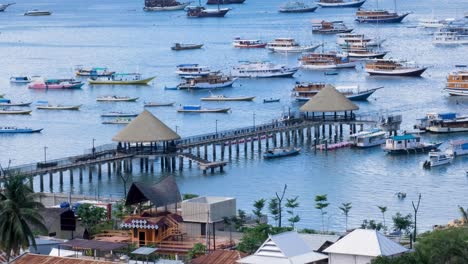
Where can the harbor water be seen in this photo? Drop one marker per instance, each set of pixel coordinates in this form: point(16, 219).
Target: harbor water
point(120, 35)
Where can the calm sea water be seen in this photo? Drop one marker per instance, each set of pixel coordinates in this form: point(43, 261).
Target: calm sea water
point(118, 34)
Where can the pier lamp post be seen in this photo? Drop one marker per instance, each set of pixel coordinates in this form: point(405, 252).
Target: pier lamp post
point(94, 149)
point(45, 154)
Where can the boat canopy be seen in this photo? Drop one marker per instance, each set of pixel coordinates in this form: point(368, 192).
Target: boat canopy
point(126, 74)
point(404, 137)
point(191, 107)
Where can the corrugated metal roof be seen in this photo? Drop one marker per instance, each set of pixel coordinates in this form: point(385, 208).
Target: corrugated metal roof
point(144, 251)
point(316, 241)
point(219, 257)
point(365, 242)
point(328, 100)
point(42, 259)
point(93, 244)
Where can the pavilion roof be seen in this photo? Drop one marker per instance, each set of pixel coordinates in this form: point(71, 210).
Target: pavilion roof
point(328, 100)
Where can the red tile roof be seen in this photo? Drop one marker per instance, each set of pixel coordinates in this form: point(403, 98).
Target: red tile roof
point(43, 259)
point(220, 257)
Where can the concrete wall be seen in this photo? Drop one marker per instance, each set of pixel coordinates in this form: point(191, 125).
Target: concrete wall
point(191, 229)
point(348, 259)
point(212, 209)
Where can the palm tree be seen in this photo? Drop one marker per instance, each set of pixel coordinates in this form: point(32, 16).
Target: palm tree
point(18, 213)
point(321, 204)
point(383, 209)
point(464, 214)
point(345, 208)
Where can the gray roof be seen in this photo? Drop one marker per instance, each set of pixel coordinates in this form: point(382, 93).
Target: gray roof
point(144, 251)
point(163, 193)
point(146, 128)
point(316, 241)
point(290, 244)
point(328, 100)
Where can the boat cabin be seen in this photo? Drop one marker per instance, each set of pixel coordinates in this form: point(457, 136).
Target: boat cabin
point(374, 14)
point(458, 80)
point(403, 142)
point(283, 42)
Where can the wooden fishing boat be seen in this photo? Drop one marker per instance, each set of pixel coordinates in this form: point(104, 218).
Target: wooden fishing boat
point(58, 107)
point(379, 16)
point(164, 5)
point(53, 84)
point(341, 3)
point(329, 27)
point(118, 121)
point(118, 114)
point(391, 67)
point(289, 45)
point(218, 98)
point(37, 12)
point(181, 46)
point(113, 98)
point(248, 43)
point(281, 152)
point(154, 104)
point(199, 109)
point(326, 60)
point(6, 111)
point(121, 79)
point(9, 104)
point(443, 123)
point(18, 130)
point(212, 81)
point(457, 83)
point(302, 92)
point(3, 7)
point(271, 100)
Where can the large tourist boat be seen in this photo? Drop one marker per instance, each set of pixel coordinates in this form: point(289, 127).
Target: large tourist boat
point(458, 147)
point(262, 70)
point(379, 16)
point(341, 3)
point(390, 67)
point(281, 152)
point(114, 98)
point(200, 12)
point(223, 98)
point(18, 130)
point(200, 109)
point(443, 123)
point(248, 43)
point(329, 60)
point(121, 79)
point(164, 5)
point(3, 7)
point(297, 7)
point(302, 92)
point(329, 27)
point(212, 81)
point(363, 52)
point(457, 83)
point(224, 2)
point(93, 72)
point(289, 45)
point(350, 39)
point(408, 143)
point(42, 83)
point(449, 38)
point(37, 12)
point(192, 70)
point(432, 23)
point(437, 158)
point(182, 46)
point(368, 138)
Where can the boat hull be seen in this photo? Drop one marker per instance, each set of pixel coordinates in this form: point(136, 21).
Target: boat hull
point(12, 112)
point(342, 5)
point(367, 56)
point(457, 92)
point(294, 49)
point(397, 19)
point(209, 86)
point(224, 2)
point(158, 104)
point(292, 152)
point(117, 100)
point(166, 8)
point(285, 74)
point(223, 110)
point(303, 10)
point(422, 149)
point(75, 107)
point(198, 46)
point(20, 131)
point(131, 82)
point(218, 13)
point(14, 104)
point(333, 31)
point(351, 64)
point(227, 99)
point(252, 46)
point(42, 86)
point(408, 72)
point(38, 13)
point(436, 129)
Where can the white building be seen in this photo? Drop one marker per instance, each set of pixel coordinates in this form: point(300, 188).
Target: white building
point(361, 246)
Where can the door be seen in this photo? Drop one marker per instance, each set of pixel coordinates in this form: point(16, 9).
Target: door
point(203, 229)
point(142, 238)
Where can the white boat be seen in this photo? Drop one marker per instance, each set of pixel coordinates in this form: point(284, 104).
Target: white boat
point(59, 107)
point(458, 147)
point(408, 143)
point(113, 98)
point(7, 103)
point(22, 79)
point(167, 7)
point(262, 70)
point(437, 158)
point(370, 138)
point(37, 12)
point(217, 98)
point(6, 111)
point(346, 39)
point(445, 38)
point(192, 70)
point(432, 23)
point(457, 83)
point(443, 123)
point(118, 121)
point(118, 114)
point(393, 67)
point(329, 27)
point(211, 81)
point(323, 61)
point(155, 104)
point(199, 109)
point(289, 45)
point(281, 152)
point(248, 43)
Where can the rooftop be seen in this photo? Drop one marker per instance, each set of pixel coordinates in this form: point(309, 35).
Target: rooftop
point(43, 259)
point(328, 100)
point(163, 193)
point(219, 257)
point(208, 200)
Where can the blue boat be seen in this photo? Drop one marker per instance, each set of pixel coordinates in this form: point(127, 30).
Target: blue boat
point(408, 143)
point(281, 152)
point(379, 16)
point(18, 130)
point(341, 3)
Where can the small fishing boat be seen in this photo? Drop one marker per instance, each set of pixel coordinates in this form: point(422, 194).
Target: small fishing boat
point(329, 27)
point(437, 158)
point(379, 16)
point(289, 45)
point(164, 5)
point(18, 130)
point(92, 72)
point(271, 100)
point(3, 7)
point(118, 121)
point(37, 12)
point(192, 70)
point(457, 83)
point(248, 43)
point(41, 83)
point(297, 7)
point(8, 111)
point(181, 46)
point(154, 104)
point(262, 70)
point(7, 103)
point(218, 98)
point(211, 81)
point(113, 98)
point(392, 67)
point(341, 3)
point(443, 123)
point(121, 79)
point(330, 73)
point(199, 109)
point(118, 114)
point(407, 144)
point(327, 60)
point(201, 12)
point(58, 107)
point(21, 79)
point(458, 147)
point(280, 152)
point(224, 2)
point(369, 138)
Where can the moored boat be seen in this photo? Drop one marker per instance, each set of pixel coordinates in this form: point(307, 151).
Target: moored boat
point(458, 147)
point(432, 23)
point(224, 2)
point(349, 39)
point(289, 45)
point(262, 70)
point(280, 152)
point(42, 83)
point(368, 138)
point(437, 158)
point(363, 52)
point(271, 100)
point(58, 107)
point(302, 92)
point(328, 60)
point(9, 111)
point(457, 83)
point(407, 144)
point(7, 103)
point(118, 114)
point(121, 79)
point(379, 16)
point(118, 121)
point(199, 109)
point(341, 3)
point(192, 70)
point(164, 5)
point(449, 38)
point(391, 67)
point(18, 130)
point(3, 7)
point(182, 46)
point(297, 7)
point(93, 72)
point(211, 81)
point(218, 98)
point(443, 123)
point(113, 98)
point(200, 12)
point(155, 104)
point(329, 27)
point(21, 79)
point(37, 12)
point(248, 43)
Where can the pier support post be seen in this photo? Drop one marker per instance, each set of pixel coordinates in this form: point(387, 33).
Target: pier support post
point(181, 163)
point(361, 127)
point(330, 132)
point(151, 166)
point(130, 163)
point(61, 178)
point(222, 150)
point(275, 135)
point(341, 131)
point(51, 181)
point(205, 154)
point(99, 171)
point(267, 142)
point(230, 150)
point(252, 144)
point(245, 147)
point(173, 163)
point(336, 133)
point(31, 182)
point(146, 164)
point(190, 163)
point(213, 146)
point(162, 163)
point(41, 182)
point(260, 143)
point(281, 139)
point(295, 132)
point(71, 176)
point(81, 174)
point(198, 151)
point(90, 173)
point(141, 164)
point(288, 138)
point(323, 130)
point(109, 170)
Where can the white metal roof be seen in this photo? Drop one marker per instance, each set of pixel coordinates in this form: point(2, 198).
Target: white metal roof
point(315, 241)
point(365, 242)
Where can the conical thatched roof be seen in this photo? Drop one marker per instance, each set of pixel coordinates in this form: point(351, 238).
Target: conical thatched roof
point(329, 100)
point(145, 128)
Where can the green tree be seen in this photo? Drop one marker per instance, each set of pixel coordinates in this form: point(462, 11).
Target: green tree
point(18, 213)
point(228, 221)
point(273, 209)
point(240, 219)
point(321, 204)
point(258, 205)
point(91, 216)
point(345, 208)
point(280, 204)
point(371, 224)
point(383, 210)
point(198, 250)
point(402, 223)
point(253, 237)
point(292, 204)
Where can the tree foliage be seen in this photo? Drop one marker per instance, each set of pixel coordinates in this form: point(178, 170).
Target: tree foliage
point(258, 211)
point(198, 250)
point(91, 216)
point(345, 209)
point(291, 204)
point(321, 202)
point(402, 223)
point(188, 196)
point(372, 224)
point(254, 237)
